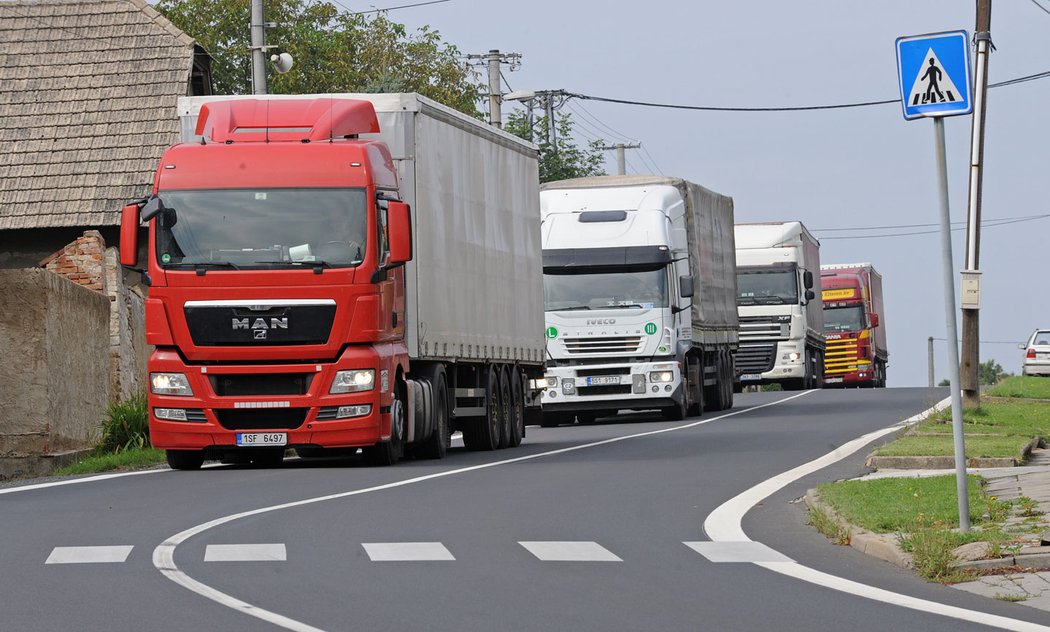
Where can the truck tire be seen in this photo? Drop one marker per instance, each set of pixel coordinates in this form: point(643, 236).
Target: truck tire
point(436, 445)
point(386, 453)
point(185, 459)
point(696, 404)
point(483, 433)
point(722, 391)
point(517, 408)
point(503, 388)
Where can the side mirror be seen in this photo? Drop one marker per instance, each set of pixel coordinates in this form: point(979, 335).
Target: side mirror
point(809, 294)
point(874, 320)
point(685, 286)
point(1022, 346)
point(152, 207)
point(399, 225)
point(807, 280)
point(129, 235)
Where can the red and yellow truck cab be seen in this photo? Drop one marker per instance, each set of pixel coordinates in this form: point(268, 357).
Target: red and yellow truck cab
point(854, 330)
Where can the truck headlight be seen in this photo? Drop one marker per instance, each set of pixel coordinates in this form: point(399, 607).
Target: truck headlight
point(661, 376)
point(170, 384)
point(794, 356)
point(171, 414)
point(354, 381)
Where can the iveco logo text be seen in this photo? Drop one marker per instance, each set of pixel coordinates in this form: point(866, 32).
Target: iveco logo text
point(601, 321)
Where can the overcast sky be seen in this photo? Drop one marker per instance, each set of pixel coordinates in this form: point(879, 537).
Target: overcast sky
point(830, 169)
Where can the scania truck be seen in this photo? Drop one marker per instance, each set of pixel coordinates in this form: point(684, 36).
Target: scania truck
point(781, 316)
point(336, 272)
point(639, 286)
point(854, 325)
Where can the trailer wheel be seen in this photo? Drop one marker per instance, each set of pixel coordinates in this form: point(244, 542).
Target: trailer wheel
point(185, 459)
point(517, 408)
point(388, 452)
point(437, 444)
point(503, 385)
point(694, 386)
point(483, 434)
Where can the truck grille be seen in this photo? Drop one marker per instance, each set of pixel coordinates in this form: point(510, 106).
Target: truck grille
point(762, 328)
point(218, 323)
point(233, 385)
point(840, 356)
point(755, 358)
point(618, 344)
point(261, 419)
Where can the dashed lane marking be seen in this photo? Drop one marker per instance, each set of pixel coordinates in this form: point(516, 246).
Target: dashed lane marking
point(407, 552)
point(752, 552)
point(570, 552)
point(89, 554)
point(245, 553)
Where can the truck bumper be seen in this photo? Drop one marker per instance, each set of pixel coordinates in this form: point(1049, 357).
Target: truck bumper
point(863, 376)
point(311, 418)
point(789, 363)
point(640, 386)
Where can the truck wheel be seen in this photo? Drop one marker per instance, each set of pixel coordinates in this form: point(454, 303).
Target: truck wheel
point(503, 384)
point(185, 459)
point(517, 409)
point(484, 433)
point(696, 404)
point(727, 379)
point(438, 442)
point(388, 452)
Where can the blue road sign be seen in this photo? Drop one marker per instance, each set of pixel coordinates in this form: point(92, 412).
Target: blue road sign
point(933, 71)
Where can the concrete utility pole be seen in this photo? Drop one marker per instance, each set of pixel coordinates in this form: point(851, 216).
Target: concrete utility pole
point(929, 350)
point(494, 61)
point(621, 168)
point(258, 29)
point(971, 279)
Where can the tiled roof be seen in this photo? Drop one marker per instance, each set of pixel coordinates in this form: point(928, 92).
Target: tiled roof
point(88, 90)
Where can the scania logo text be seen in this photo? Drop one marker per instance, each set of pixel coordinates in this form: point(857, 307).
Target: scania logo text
point(601, 321)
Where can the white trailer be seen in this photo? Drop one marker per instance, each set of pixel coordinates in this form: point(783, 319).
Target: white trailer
point(639, 287)
point(474, 298)
point(778, 298)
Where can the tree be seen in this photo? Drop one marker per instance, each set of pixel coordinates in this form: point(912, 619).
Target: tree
point(334, 51)
point(990, 372)
point(564, 159)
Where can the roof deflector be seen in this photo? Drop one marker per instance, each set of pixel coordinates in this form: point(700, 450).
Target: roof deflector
point(258, 120)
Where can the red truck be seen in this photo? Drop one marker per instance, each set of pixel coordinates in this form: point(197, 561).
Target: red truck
point(855, 335)
point(287, 307)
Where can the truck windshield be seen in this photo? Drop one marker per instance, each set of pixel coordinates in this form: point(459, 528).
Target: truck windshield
point(262, 228)
point(850, 318)
point(766, 287)
point(611, 290)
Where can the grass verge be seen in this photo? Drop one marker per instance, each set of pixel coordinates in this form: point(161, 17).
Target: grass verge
point(891, 505)
point(131, 459)
point(1021, 386)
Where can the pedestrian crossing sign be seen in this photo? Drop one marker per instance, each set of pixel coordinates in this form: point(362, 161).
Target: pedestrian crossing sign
point(933, 72)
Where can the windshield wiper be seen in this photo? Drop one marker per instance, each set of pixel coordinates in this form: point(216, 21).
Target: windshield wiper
point(570, 309)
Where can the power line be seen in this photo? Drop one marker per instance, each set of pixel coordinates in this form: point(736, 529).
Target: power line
point(990, 224)
point(802, 108)
point(898, 226)
point(1041, 7)
point(403, 6)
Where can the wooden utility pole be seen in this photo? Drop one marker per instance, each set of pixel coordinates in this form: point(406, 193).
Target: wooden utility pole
point(621, 161)
point(971, 273)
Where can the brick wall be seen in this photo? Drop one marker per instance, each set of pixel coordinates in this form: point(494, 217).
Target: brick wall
point(82, 261)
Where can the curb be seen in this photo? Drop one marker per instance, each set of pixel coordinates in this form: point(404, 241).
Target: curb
point(948, 462)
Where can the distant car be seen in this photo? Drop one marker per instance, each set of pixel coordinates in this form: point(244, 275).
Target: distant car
point(1037, 354)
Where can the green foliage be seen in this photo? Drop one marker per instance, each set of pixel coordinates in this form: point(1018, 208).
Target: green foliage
point(334, 51)
point(990, 372)
point(768, 388)
point(130, 459)
point(890, 505)
point(126, 426)
point(1022, 386)
point(829, 527)
point(931, 543)
point(564, 158)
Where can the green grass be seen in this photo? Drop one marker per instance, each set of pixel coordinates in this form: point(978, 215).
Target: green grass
point(976, 447)
point(1021, 386)
point(891, 505)
point(131, 459)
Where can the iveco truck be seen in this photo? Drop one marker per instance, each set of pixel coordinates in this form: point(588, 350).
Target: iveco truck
point(639, 286)
point(854, 325)
point(778, 298)
point(336, 272)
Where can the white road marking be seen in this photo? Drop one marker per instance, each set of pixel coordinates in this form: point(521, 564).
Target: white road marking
point(89, 554)
point(407, 552)
point(724, 525)
point(570, 552)
point(245, 553)
point(737, 552)
point(164, 554)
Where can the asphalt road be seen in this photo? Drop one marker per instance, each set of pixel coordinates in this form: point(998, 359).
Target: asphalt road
point(581, 528)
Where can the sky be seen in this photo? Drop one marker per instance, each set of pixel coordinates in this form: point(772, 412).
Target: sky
point(830, 169)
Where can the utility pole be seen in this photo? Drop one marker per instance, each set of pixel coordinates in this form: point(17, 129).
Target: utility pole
point(929, 363)
point(621, 168)
point(258, 30)
point(971, 279)
point(494, 61)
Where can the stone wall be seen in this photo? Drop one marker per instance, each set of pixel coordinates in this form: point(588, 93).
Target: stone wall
point(55, 378)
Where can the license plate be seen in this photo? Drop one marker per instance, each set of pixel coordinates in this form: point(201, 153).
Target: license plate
point(597, 381)
point(262, 438)
point(832, 380)
point(750, 377)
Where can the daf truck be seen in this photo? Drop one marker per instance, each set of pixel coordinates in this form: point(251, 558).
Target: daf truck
point(781, 316)
point(335, 272)
point(639, 287)
point(854, 325)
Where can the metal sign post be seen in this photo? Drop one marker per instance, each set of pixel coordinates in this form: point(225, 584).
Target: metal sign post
point(934, 77)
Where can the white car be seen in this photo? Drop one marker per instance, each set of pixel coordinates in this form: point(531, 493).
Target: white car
point(1037, 354)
